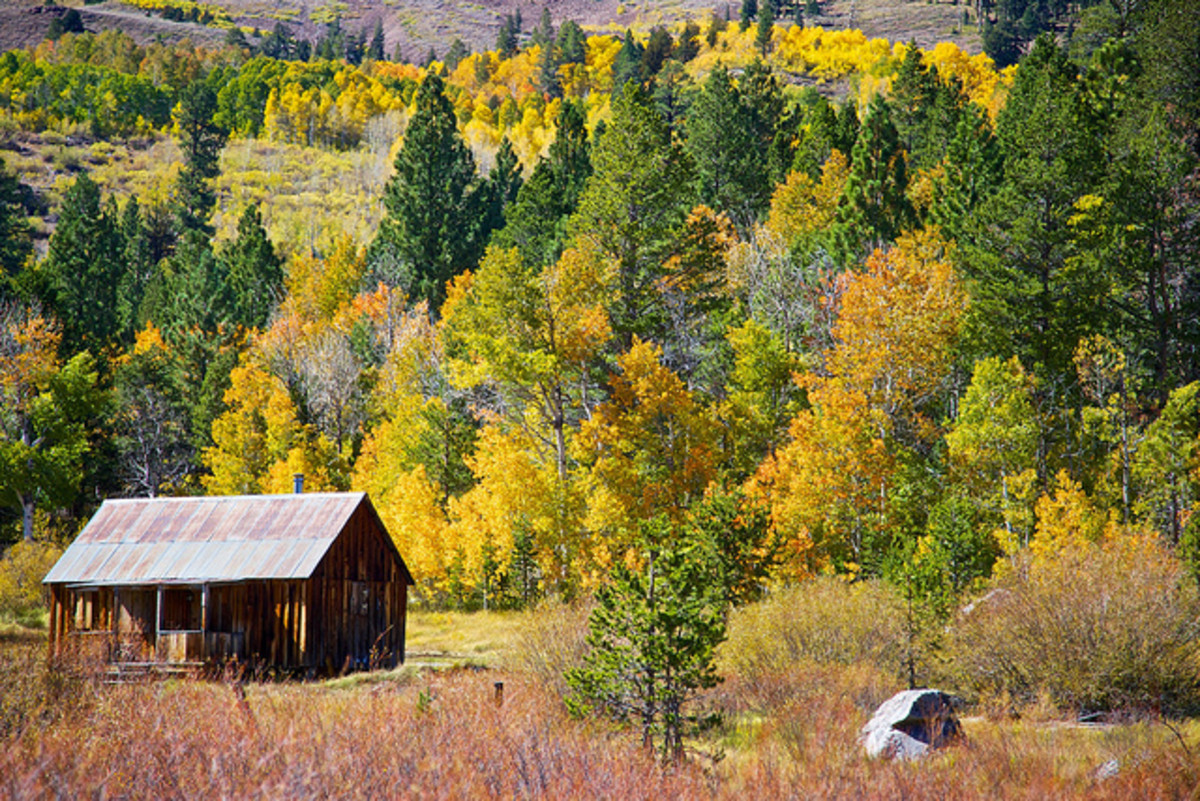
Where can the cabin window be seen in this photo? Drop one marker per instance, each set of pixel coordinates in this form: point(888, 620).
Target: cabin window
point(181, 609)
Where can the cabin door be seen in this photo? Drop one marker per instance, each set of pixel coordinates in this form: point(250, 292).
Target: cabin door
point(137, 614)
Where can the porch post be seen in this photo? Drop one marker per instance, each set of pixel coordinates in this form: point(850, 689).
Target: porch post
point(158, 616)
point(204, 608)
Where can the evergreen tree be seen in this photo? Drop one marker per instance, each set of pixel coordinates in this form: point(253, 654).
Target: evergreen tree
point(772, 127)
point(846, 132)
point(506, 37)
point(543, 34)
point(140, 268)
point(83, 269)
point(255, 271)
point(627, 66)
point(915, 97)
point(433, 201)
point(1031, 298)
point(548, 60)
point(375, 49)
point(653, 637)
point(818, 132)
point(688, 46)
point(632, 211)
point(766, 26)
point(456, 53)
point(749, 12)
point(16, 241)
point(715, 26)
point(658, 50)
point(502, 186)
point(972, 171)
point(731, 174)
point(571, 43)
point(875, 208)
point(536, 221)
point(201, 139)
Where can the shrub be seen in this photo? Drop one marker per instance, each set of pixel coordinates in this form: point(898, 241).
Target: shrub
point(552, 640)
point(824, 621)
point(1096, 629)
point(21, 572)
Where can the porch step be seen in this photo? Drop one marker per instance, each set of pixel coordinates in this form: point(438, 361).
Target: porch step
point(128, 672)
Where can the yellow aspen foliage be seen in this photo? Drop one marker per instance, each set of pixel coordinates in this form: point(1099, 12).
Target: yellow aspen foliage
point(983, 84)
point(323, 468)
point(318, 287)
point(830, 54)
point(513, 488)
point(801, 207)
point(761, 399)
point(25, 371)
point(649, 449)
point(922, 187)
point(601, 53)
point(410, 507)
point(516, 74)
point(895, 327)
point(829, 487)
point(1069, 519)
point(258, 428)
point(397, 71)
point(993, 446)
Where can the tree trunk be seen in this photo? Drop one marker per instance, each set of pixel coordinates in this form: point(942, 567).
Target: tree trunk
point(27, 516)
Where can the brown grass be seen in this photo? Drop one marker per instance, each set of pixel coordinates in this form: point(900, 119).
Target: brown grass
point(441, 735)
point(789, 730)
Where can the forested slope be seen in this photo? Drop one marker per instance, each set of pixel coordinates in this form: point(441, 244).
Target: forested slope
point(533, 299)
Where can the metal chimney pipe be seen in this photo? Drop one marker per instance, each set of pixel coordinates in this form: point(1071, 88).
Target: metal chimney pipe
point(298, 483)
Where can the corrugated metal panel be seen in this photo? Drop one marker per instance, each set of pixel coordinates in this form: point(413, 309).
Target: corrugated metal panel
point(192, 539)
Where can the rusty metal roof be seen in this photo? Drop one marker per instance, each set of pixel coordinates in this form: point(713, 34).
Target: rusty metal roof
point(227, 538)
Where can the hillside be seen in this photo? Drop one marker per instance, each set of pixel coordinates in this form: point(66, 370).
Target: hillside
point(415, 26)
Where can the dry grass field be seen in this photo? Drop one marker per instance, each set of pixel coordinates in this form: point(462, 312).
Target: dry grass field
point(437, 732)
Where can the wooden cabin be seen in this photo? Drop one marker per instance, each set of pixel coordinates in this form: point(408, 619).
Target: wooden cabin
point(305, 582)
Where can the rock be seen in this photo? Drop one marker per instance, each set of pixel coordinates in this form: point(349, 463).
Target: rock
point(910, 723)
point(1108, 770)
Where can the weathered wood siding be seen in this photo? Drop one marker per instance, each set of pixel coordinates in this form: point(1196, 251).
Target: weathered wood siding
point(349, 613)
point(358, 601)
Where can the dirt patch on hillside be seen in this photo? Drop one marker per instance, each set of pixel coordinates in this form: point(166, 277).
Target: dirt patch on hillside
point(415, 26)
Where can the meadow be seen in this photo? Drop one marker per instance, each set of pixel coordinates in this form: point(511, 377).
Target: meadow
point(435, 728)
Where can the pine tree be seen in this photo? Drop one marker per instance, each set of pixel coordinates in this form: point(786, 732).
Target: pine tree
point(658, 49)
point(83, 268)
point(255, 271)
point(536, 222)
point(653, 637)
point(632, 210)
point(456, 53)
point(433, 201)
point(731, 174)
point(15, 234)
point(571, 43)
point(766, 26)
point(1033, 296)
point(201, 139)
point(375, 50)
point(140, 268)
point(502, 186)
point(749, 12)
point(627, 66)
point(875, 209)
